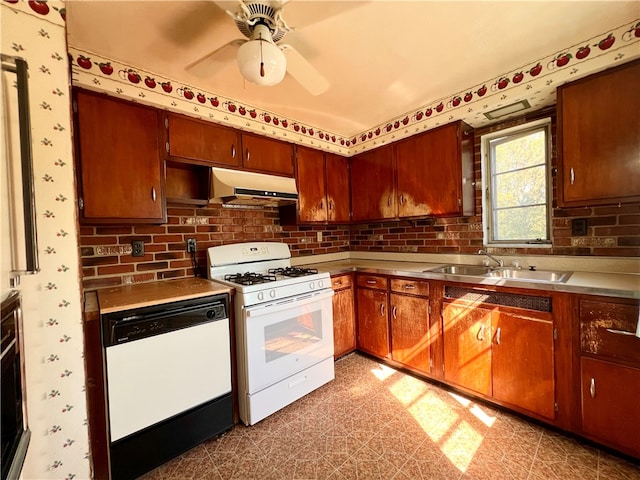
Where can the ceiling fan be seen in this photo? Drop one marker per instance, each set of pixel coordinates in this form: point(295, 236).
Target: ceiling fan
point(262, 59)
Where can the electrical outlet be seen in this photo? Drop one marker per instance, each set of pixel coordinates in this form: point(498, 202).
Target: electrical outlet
point(191, 245)
point(137, 248)
point(319, 236)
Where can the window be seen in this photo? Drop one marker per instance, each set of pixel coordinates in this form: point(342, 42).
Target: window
point(515, 173)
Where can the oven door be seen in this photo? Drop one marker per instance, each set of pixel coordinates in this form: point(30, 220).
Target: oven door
point(285, 337)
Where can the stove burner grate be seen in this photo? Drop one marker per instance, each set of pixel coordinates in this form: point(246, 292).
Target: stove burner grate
point(293, 271)
point(249, 278)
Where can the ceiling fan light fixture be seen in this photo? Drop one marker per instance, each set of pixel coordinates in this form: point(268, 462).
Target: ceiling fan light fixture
point(262, 62)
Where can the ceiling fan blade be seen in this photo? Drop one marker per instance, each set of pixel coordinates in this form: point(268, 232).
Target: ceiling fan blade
point(305, 73)
point(206, 66)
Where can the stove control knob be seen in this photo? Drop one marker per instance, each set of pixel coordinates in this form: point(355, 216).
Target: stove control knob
point(272, 293)
point(260, 296)
point(312, 285)
point(320, 284)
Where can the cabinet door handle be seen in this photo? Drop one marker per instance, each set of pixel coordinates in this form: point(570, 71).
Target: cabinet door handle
point(153, 193)
point(498, 336)
point(321, 204)
point(620, 332)
point(480, 335)
point(410, 287)
point(331, 205)
point(248, 155)
point(389, 201)
point(401, 199)
point(572, 176)
point(233, 151)
point(592, 388)
point(394, 311)
point(371, 282)
point(382, 309)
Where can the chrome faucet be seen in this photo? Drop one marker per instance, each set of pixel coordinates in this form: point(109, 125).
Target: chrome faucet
point(498, 261)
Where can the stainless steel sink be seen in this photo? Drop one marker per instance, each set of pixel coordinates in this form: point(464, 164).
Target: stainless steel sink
point(502, 272)
point(473, 270)
point(536, 275)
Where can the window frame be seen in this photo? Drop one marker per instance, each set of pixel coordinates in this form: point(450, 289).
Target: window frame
point(488, 212)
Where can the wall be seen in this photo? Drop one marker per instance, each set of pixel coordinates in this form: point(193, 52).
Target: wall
point(53, 353)
point(612, 231)
point(106, 251)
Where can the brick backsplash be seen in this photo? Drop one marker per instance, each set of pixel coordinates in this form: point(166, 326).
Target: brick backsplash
point(107, 261)
point(106, 250)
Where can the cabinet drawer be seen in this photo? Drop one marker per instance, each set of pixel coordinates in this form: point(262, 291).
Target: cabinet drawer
point(411, 287)
point(602, 330)
point(372, 281)
point(341, 281)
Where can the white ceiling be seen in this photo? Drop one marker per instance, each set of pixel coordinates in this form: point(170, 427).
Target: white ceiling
point(381, 58)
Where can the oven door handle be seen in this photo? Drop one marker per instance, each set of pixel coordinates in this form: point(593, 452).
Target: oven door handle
point(285, 304)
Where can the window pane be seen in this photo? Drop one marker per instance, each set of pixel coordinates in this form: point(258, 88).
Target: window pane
point(520, 152)
point(526, 223)
point(520, 188)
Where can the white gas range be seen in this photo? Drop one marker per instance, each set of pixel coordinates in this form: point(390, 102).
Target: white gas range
point(284, 325)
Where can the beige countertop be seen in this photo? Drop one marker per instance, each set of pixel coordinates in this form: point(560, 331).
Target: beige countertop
point(625, 285)
point(145, 294)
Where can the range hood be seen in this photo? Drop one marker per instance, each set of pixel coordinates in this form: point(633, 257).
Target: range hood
point(236, 187)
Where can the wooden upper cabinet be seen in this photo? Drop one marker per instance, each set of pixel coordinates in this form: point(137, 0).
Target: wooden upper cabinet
point(599, 139)
point(338, 198)
point(435, 172)
point(267, 155)
point(202, 142)
point(312, 196)
point(120, 162)
point(373, 185)
point(323, 187)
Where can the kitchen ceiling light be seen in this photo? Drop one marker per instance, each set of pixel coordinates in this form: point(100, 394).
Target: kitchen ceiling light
point(260, 60)
point(507, 110)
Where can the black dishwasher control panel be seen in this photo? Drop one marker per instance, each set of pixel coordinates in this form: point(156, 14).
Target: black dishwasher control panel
point(136, 324)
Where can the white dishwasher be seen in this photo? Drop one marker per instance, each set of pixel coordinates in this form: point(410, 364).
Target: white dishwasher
point(168, 380)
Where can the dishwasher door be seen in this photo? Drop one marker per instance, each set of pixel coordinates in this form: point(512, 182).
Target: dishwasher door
point(153, 378)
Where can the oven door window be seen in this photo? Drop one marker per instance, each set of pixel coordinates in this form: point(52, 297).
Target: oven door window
point(282, 339)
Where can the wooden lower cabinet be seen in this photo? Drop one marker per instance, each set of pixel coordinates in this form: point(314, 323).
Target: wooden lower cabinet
point(610, 396)
point(467, 346)
point(502, 354)
point(373, 323)
point(344, 322)
point(522, 364)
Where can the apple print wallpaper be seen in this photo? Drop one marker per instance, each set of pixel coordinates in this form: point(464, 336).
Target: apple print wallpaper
point(533, 80)
point(53, 354)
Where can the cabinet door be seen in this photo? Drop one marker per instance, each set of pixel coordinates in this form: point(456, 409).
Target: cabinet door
point(203, 141)
point(522, 362)
point(344, 322)
point(267, 155)
point(338, 198)
point(373, 327)
point(410, 331)
point(312, 199)
point(467, 346)
point(610, 410)
point(372, 185)
point(429, 173)
point(121, 169)
point(599, 144)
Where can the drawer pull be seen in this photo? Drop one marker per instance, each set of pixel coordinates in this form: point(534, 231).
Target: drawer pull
point(371, 282)
point(498, 336)
point(592, 388)
point(620, 332)
point(394, 311)
point(410, 287)
point(338, 283)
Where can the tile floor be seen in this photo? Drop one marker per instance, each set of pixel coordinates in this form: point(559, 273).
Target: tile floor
point(373, 422)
